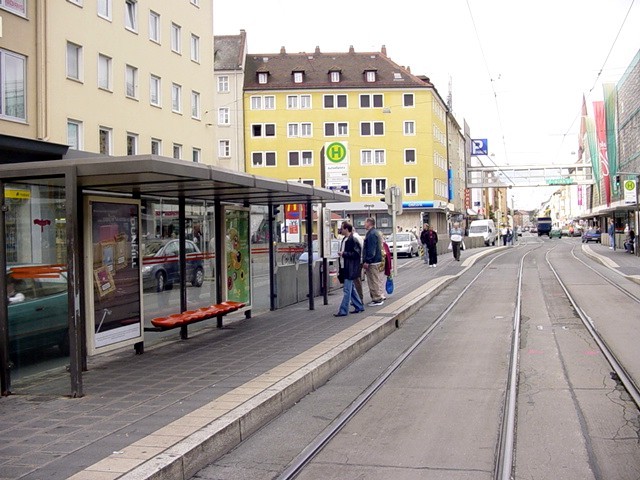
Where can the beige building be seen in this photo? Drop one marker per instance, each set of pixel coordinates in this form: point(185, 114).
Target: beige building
point(114, 77)
point(229, 63)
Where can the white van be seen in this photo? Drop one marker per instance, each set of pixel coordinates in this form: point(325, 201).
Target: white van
point(485, 229)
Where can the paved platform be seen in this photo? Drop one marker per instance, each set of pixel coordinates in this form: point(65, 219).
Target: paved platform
point(621, 262)
point(173, 410)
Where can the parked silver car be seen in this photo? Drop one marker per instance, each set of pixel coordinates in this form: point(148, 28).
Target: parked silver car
point(407, 242)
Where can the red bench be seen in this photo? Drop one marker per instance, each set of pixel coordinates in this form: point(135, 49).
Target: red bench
point(192, 316)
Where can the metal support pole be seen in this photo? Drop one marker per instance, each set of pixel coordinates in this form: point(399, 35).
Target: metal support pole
point(310, 250)
point(182, 262)
point(273, 292)
point(218, 213)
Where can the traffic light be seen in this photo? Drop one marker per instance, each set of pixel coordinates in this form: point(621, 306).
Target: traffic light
point(275, 211)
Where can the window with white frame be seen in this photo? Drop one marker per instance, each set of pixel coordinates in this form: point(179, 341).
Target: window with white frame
point(371, 128)
point(335, 76)
point(306, 130)
point(132, 143)
point(305, 102)
point(104, 72)
point(262, 77)
point(224, 149)
point(131, 81)
point(176, 31)
point(410, 155)
point(409, 127)
point(16, 6)
point(375, 100)
point(13, 86)
point(156, 146)
point(74, 134)
point(196, 155)
point(176, 98)
point(74, 61)
point(411, 186)
point(293, 130)
point(381, 185)
point(366, 186)
point(301, 159)
point(370, 76)
point(407, 100)
point(342, 129)
point(104, 9)
point(269, 102)
point(195, 105)
point(298, 77)
point(438, 135)
point(223, 84)
point(330, 129)
point(263, 159)
point(256, 102)
point(292, 102)
point(335, 101)
point(224, 116)
point(372, 157)
point(105, 143)
point(441, 189)
point(131, 15)
point(177, 151)
point(439, 161)
point(439, 111)
point(195, 48)
point(263, 130)
point(154, 26)
point(154, 91)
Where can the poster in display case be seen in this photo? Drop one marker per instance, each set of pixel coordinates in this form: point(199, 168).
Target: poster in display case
point(114, 306)
point(237, 259)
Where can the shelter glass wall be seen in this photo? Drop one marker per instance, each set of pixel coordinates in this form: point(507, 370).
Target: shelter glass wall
point(160, 257)
point(36, 252)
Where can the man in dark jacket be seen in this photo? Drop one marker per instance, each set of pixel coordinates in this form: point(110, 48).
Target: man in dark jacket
point(350, 259)
point(372, 262)
point(429, 240)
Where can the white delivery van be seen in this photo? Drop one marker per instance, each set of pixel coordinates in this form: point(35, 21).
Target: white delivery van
point(485, 229)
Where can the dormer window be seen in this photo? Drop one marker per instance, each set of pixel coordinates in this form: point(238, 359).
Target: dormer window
point(262, 77)
point(298, 77)
point(370, 76)
point(335, 76)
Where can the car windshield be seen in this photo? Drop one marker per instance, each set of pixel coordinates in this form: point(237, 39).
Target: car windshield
point(478, 229)
point(153, 247)
point(400, 237)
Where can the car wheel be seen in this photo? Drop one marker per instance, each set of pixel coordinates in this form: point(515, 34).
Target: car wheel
point(198, 277)
point(161, 281)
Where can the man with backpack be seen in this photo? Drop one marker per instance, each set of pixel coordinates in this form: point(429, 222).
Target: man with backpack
point(372, 262)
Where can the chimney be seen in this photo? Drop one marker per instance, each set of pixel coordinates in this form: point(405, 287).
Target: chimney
point(384, 50)
point(317, 50)
point(351, 49)
point(282, 51)
point(408, 69)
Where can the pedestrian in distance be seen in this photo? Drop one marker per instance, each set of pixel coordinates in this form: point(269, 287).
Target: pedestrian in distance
point(455, 235)
point(612, 234)
point(504, 233)
point(350, 258)
point(372, 262)
point(429, 240)
point(630, 241)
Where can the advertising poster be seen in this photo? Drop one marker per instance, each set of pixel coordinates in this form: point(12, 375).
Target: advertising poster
point(115, 273)
point(238, 275)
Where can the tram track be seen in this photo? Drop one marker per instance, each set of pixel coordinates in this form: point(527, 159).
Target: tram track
point(505, 447)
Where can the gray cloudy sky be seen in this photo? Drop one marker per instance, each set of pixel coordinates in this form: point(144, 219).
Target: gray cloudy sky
point(518, 68)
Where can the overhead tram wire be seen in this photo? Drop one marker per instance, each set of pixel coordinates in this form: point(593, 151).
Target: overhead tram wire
point(495, 94)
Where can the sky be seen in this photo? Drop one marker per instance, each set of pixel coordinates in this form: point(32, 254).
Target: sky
point(517, 69)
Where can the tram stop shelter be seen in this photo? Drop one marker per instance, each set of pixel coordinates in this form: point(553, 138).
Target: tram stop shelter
point(81, 239)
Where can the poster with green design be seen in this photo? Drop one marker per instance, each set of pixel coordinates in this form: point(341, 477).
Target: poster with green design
point(237, 254)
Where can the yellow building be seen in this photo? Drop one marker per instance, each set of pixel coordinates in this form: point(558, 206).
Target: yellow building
point(390, 123)
point(113, 77)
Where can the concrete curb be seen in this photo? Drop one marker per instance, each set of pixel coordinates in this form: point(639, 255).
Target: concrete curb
point(186, 457)
point(607, 262)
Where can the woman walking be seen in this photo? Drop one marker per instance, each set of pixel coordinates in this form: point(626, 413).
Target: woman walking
point(455, 235)
point(429, 240)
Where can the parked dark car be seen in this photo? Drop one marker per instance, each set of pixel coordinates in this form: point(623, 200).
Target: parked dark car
point(591, 235)
point(160, 264)
point(37, 310)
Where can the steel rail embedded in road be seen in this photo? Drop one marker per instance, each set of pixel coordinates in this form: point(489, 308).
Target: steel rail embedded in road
point(626, 380)
point(315, 447)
